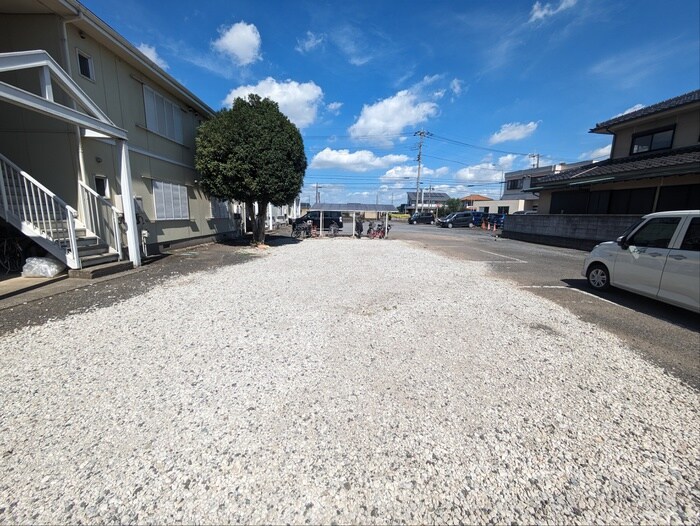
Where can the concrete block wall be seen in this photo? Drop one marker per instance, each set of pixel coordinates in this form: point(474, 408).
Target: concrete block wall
point(582, 232)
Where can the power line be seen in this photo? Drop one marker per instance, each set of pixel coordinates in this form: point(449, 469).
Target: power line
point(454, 141)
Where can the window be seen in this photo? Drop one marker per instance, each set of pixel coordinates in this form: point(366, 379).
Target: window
point(655, 233)
point(691, 241)
point(503, 209)
point(219, 209)
point(85, 66)
point(514, 184)
point(170, 200)
point(162, 116)
point(651, 141)
point(102, 186)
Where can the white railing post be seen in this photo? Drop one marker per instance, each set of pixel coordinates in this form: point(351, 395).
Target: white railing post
point(3, 167)
point(45, 80)
point(117, 234)
point(70, 220)
point(132, 231)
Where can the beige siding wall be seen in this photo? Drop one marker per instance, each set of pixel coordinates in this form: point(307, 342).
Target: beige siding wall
point(48, 149)
point(513, 205)
point(38, 144)
point(686, 134)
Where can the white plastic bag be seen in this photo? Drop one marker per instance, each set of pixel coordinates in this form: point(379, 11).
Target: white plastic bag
point(42, 268)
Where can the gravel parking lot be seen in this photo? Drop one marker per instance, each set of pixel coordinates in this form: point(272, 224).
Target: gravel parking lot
point(340, 381)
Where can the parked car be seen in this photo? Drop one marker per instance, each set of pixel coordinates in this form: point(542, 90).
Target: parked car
point(658, 257)
point(315, 218)
point(425, 218)
point(441, 220)
point(524, 212)
point(458, 219)
point(477, 218)
point(497, 219)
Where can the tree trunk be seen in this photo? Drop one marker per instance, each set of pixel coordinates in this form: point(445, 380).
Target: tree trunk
point(259, 223)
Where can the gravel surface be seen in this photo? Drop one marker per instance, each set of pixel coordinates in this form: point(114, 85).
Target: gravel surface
point(311, 386)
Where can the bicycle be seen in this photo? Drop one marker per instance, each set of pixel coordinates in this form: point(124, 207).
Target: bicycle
point(301, 231)
point(377, 231)
point(333, 229)
point(11, 256)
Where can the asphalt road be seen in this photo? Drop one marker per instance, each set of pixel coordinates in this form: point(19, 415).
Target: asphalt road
point(666, 335)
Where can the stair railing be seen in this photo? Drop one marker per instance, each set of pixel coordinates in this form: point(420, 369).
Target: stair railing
point(101, 217)
point(26, 202)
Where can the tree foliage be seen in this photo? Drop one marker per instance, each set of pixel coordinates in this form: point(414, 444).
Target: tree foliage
point(451, 205)
point(251, 153)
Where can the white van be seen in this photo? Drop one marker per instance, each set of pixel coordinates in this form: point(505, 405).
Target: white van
point(658, 257)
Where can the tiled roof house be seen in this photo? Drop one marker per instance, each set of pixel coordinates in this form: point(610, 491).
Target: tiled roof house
point(654, 165)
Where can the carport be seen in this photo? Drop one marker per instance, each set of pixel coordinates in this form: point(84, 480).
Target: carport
point(354, 208)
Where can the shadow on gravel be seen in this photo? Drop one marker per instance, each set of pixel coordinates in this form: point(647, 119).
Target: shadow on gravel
point(675, 315)
point(280, 240)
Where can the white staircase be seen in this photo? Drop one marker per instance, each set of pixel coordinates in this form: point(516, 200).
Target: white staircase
point(51, 223)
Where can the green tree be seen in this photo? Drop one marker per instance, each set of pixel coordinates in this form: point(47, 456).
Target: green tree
point(453, 205)
point(251, 153)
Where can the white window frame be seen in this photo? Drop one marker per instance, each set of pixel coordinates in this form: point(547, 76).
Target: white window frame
point(219, 209)
point(170, 201)
point(108, 193)
point(163, 116)
point(91, 65)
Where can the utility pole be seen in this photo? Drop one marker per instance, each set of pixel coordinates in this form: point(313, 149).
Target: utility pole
point(536, 157)
point(422, 134)
point(318, 195)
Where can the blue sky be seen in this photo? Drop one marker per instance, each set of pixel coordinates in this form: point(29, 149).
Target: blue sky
point(491, 81)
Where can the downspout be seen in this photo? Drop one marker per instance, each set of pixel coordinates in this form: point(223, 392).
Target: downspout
point(81, 175)
point(68, 69)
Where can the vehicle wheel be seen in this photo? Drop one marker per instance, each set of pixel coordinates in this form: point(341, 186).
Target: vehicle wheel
point(413, 222)
point(598, 276)
point(432, 222)
point(296, 233)
point(449, 225)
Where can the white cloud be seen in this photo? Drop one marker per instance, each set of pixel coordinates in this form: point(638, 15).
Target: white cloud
point(298, 101)
point(540, 12)
point(359, 161)
point(513, 131)
point(456, 87)
point(384, 120)
point(487, 171)
point(405, 176)
point(150, 52)
point(351, 43)
point(241, 42)
point(334, 107)
point(310, 42)
point(599, 154)
point(630, 110)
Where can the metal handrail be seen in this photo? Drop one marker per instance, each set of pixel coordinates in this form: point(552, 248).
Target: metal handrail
point(101, 217)
point(26, 200)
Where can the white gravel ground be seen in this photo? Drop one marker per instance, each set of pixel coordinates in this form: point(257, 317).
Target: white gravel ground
point(340, 381)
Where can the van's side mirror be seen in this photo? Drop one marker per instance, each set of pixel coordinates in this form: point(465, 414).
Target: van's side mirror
point(622, 241)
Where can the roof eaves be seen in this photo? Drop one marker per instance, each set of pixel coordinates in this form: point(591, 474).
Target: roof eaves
point(93, 20)
point(666, 105)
